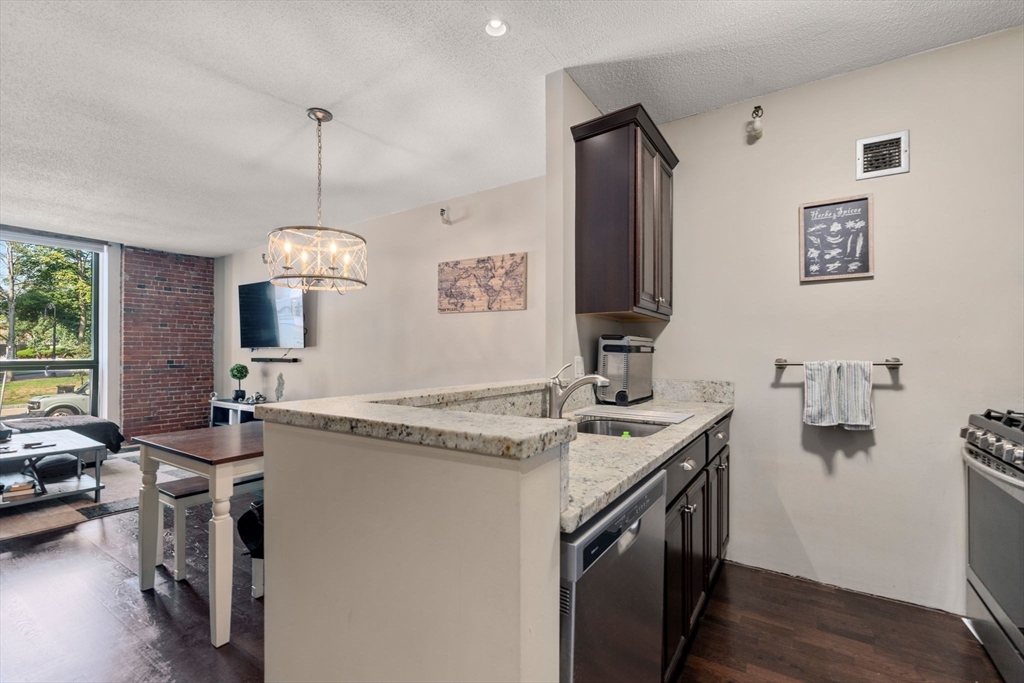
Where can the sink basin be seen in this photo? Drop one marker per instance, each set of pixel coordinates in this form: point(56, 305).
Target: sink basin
point(617, 427)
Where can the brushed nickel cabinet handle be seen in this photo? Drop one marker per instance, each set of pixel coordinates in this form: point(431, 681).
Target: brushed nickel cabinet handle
point(721, 466)
point(688, 464)
point(720, 435)
point(689, 509)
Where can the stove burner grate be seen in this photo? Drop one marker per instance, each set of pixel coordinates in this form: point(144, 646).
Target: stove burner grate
point(1010, 418)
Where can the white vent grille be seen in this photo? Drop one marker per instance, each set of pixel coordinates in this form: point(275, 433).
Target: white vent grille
point(883, 155)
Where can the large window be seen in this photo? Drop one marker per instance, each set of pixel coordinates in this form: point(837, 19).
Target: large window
point(48, 330)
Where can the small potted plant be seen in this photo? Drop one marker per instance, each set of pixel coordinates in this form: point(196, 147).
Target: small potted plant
point(239, 372)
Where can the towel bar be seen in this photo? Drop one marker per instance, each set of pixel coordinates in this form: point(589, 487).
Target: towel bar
point(891, 363)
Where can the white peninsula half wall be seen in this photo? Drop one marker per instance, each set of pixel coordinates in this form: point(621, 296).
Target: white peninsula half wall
point(389, 335)
point(415, 535)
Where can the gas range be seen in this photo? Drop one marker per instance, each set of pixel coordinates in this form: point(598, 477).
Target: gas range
point(994, 459)
point(1000, 437)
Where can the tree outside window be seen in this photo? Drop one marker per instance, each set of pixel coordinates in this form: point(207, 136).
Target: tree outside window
point(47, 334)
point(42, 290)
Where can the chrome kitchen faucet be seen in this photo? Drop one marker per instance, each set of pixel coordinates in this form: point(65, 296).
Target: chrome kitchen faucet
point(557, 396)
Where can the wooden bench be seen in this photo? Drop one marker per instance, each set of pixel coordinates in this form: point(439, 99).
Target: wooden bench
point(181, 494)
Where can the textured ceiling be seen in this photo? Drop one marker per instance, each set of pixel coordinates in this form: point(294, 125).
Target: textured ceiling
point(181, 125)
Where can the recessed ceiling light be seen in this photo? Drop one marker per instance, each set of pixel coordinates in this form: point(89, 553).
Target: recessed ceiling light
point(496, 28)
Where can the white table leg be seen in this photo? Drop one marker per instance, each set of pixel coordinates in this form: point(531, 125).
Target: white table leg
point(159, 534)
point(149, 511)
point(179, 542)
point(222, 537)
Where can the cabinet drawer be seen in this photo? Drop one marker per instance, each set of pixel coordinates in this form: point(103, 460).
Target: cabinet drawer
point(685, 465)
point(718, 437)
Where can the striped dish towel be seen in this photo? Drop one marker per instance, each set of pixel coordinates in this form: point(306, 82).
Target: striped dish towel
point(838, 392)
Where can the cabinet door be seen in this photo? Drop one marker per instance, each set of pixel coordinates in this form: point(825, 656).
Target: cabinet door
point(724, 477)
point(714, 512)
point(675, 593)
point(664, 257)
point(646, 223)
point(695, 550)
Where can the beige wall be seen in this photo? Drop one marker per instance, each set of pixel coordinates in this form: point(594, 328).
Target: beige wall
point(880, 512)
point(390, 335)
point(568, 335)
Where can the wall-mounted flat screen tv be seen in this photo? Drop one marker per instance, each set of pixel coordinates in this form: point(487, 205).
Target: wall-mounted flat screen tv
point(270, 316)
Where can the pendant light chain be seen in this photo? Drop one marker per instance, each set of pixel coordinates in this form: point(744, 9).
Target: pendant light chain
point(319, 171)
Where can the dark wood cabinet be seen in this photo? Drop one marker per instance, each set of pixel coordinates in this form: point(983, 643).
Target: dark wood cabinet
point(686, 580)
point(714, 517)
point(695, 550)
point(665, 227)
point(623, 217)
point(718, 511)
point(724, 510)
point(647, 224)
point(696, 534)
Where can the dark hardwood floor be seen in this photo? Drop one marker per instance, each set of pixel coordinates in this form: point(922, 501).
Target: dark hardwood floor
point(71, 610)
point(761, 626)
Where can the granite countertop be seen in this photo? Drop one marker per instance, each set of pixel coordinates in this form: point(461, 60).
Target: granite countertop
point(405, 416)
point(505, 420)
point(602, 468)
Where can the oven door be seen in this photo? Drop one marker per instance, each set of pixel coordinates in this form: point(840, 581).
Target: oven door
point(995, 542)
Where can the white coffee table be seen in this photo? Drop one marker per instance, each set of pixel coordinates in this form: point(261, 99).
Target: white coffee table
point(56, 442)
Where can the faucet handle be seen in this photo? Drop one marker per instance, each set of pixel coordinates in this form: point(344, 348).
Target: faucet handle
point(555, 377)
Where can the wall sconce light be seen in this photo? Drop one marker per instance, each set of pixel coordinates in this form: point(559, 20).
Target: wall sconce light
point(446, 216)
point(755, 129)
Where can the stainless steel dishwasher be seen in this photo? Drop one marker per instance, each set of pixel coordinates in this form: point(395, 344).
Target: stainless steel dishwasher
point(612, 588)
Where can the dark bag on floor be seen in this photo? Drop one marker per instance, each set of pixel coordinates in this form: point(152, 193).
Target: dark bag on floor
point(250, 530)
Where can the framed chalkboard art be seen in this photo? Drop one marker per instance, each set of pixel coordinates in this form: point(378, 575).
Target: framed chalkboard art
point(837, 239)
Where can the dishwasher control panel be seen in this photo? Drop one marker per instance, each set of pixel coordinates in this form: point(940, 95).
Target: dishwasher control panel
point(618, 526)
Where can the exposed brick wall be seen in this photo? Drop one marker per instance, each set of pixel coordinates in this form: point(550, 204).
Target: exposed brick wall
point(166, 341)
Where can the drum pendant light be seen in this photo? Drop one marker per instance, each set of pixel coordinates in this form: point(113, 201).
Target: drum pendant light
point(314, 257)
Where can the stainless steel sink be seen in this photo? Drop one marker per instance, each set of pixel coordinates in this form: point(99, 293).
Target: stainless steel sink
point(616, 428)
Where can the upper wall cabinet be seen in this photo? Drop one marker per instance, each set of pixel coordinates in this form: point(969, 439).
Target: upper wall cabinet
point(623, 217)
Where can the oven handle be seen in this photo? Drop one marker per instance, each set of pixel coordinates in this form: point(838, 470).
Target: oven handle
point(988, 471)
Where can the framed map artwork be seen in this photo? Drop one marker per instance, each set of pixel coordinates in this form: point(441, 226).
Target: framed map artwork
point(488, 283)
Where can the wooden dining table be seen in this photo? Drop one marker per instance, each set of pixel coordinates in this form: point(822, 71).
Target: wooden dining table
point(222, 455)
